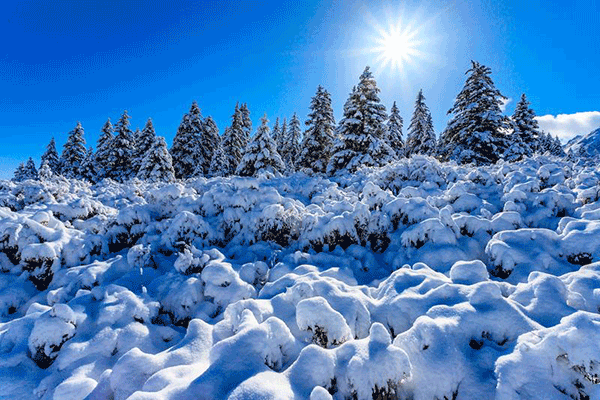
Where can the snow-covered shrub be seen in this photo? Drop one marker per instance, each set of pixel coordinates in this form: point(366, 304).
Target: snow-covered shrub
point(49, 334)
point(327, 327)
point(561, 362)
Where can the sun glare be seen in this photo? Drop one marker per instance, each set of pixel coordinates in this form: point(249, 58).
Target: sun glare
point(396, 47)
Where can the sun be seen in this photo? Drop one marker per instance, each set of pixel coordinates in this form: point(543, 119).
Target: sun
point(396, 47)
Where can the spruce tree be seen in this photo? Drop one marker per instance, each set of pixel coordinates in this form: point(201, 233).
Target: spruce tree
point(233, 142)
point(219, 165)
point(186, 150)
point(556, 149)
point(320, 134)
point(475, 132)
point(208, 144)
point(394, 131)
point(87, 170)
point(143, 142)
point(517, 149)
point(420, 138)
point(290, 149)
point(276, 134)
point(157, 165)
point(362, 132)
point(283, 137)
point(30, 171)
point(247, 122)
point(19, 173)
point(45, 172)
point(525, 125)
point(261, 154)
point(73, 153)
point(102, 150)
point(50, 156)
point(119, 163)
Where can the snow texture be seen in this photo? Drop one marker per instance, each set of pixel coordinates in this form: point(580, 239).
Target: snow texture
point(416, 280)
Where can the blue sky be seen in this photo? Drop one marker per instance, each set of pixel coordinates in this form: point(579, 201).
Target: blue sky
point(70, 61)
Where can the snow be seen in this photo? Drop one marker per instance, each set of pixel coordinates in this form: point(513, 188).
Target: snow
point(415, 280)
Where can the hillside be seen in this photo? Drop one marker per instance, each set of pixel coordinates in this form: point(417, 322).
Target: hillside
point(416, 280)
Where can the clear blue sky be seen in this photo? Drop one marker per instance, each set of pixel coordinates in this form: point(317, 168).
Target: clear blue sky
point(65, 61)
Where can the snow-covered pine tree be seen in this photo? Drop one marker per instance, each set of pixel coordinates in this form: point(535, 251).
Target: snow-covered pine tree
point(73, 153)
point(283, 137)
point(51, 157)
point(157, 165)
point(276, 135)
point(556, 148)
point(19, 174)
point(45, 172)
point(315, 149)
point(261, 154)
point(544, 143)
point(30, 171)
point(290, 148)
point(475, 134)
point(219, 165)
point(144, 140)
point(362, 133)
point(420, 138)
point(394, 131)
point(208, 141)
point(87, 170)
point(234, 142)
point(247, 122)
point(517, 149)
point(102, 150)
point(187, 151)
point(526, 126)
point(118, 162)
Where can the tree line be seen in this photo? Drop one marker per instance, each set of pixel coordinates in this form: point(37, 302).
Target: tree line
point(367, 135)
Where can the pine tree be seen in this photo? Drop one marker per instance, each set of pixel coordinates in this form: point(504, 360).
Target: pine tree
point(102, 150)
point(144, 140)
point(87, 170)
point(525, 125)
point(475, 132)
point(517, 149)
point(45, 173)
point(157, 165)
point(276, 134)
point(233, 141)
point(261, 154)
point(19, 173)
point(362, 132)
point(208, 144)
point(394, 131)
point(30, 171)
point(544, 143)
point(320, 134)
point(556, 149)
point(119, 163)
point(420, 138)
point(283, 138)
point(186, 150)
point(290, 149)
point(51, 157)
point(73, 153)
point(247, 122)
point(219, 165)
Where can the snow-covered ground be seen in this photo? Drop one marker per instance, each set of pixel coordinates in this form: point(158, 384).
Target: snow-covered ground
point(417, 280)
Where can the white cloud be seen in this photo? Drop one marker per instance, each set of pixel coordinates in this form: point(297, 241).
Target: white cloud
point(504, 104)
point(567, 126)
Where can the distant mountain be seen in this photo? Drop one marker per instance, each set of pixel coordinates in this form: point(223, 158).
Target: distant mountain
point(590, 143)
